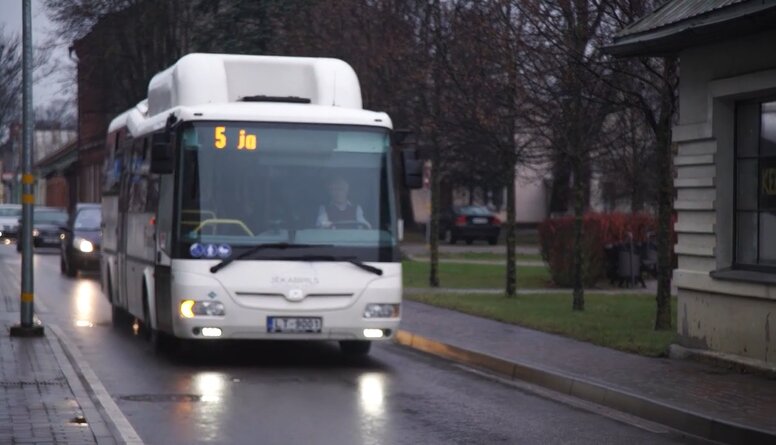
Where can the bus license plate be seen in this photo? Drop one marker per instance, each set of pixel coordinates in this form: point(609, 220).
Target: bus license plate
point(305, 325)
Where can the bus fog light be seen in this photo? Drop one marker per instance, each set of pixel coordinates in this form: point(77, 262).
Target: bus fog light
point(191, 308)
point(376, 310)
point(211, 332)
point(373, 333)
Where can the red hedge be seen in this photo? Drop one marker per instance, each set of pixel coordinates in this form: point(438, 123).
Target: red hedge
point(556, 236)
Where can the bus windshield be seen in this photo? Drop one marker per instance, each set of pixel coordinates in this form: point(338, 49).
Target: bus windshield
point(243, 184)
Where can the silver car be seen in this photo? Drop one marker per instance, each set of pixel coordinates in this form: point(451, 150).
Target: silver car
point(9, 220)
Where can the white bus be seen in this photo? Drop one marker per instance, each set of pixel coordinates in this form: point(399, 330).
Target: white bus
point(251, 197)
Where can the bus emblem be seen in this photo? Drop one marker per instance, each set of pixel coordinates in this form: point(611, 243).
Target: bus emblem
point(295, 295)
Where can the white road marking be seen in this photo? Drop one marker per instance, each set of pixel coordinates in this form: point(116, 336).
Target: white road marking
point(97, 389)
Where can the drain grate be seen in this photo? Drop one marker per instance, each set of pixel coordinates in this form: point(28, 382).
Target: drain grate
point(174, 398)
point(22, 383)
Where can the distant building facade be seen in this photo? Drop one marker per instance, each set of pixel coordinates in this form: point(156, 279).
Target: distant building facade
point(74, 171)
point(45, 142)
point(726, 170)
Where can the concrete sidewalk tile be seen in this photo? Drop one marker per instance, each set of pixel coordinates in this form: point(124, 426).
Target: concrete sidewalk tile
point(35, 398)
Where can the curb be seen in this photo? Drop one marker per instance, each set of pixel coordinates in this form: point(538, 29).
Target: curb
point(723, 360)
point(677, 418)
point(95, 420)
point(91, 394)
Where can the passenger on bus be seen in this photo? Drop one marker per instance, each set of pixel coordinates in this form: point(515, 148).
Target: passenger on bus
point(340, 212)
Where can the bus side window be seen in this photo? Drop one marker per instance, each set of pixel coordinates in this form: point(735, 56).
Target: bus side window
point(112, 168)
point(138, 176)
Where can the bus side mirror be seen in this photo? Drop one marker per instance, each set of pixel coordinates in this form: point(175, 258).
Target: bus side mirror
point(402, 136)
point(162, 158)
point(413, 169)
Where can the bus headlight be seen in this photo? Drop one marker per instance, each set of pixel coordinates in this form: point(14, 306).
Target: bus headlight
point(379, 310)
point(84, 245)
point(191, 308)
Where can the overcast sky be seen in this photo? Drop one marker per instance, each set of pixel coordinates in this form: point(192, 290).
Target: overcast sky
point(58, 85)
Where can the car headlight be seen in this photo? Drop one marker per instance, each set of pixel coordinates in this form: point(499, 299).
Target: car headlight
point(192, 308)
point(377, 310)
point(84, 245)
point(35, 232)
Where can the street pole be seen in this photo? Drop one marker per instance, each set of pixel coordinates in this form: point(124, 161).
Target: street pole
point(26, 327)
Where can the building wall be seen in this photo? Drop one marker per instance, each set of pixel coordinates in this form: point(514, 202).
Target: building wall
point(531, 196)
point(57, 192)
point(729, 316)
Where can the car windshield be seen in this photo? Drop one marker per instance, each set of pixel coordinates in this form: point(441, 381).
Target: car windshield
point(10, 212)
point(474, 211)
point(50, 217)
point(248, 184)
point(88, 219)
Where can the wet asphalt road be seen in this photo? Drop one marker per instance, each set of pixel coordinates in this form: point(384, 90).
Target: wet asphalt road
point(301, 393)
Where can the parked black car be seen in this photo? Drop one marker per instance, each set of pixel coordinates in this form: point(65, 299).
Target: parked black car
point(469, 223)
point(46, 228)
point(81, 240)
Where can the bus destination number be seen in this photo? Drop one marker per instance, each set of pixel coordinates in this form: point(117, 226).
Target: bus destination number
point(245, 141)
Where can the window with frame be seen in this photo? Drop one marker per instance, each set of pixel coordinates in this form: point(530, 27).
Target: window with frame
point(755, 185)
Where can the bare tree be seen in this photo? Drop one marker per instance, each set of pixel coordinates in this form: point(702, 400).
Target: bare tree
point(10, 77)
point(649, 85)
point(133, 39)
point(564, 36)
point(489, 102)
point(59, 114)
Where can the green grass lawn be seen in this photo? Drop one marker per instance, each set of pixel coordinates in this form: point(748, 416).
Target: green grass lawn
point(621, 322)
point(472, 276)
point(528, 238)
point(486, 256)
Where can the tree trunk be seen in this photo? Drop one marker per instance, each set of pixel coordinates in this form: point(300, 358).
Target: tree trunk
point(665, 198)
point(511, 235)
point(433, 276)
point(579, 208)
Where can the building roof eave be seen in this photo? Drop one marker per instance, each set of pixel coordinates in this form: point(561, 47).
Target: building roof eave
point(717, 25)
point(63, 157)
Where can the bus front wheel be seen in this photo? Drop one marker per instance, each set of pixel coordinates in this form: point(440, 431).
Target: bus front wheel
point(355, 347)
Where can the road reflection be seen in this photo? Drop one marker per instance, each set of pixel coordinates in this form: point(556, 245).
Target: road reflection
point(209, 385)
point(86, 293)
point(371, 388)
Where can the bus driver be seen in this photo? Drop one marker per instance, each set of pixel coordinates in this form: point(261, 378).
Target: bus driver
point(340, 211)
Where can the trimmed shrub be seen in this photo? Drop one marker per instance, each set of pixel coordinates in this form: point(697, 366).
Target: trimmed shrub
point(556, 237)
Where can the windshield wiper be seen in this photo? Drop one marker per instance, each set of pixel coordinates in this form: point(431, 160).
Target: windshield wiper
point(349, 259)
point(259, 247)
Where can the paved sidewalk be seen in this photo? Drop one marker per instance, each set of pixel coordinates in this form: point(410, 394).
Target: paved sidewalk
point(707, 401)
point(38, 387)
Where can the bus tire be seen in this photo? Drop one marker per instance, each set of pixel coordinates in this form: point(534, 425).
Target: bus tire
point(355, 348)
point(117, 316)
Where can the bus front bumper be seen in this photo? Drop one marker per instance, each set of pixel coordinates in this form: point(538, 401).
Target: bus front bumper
point(214, 328)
